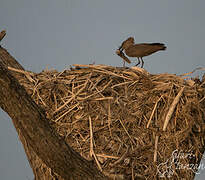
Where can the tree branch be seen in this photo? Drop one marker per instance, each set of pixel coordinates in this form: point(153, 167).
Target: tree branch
point(31, 121)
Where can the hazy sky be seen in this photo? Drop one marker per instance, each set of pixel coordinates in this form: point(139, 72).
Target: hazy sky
point(59, 33)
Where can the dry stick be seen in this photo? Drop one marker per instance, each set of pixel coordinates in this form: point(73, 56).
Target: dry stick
point(78, 87)
point(2, 34)
point(155, 106)
point(122, 55)
point(70, 109)
point(202, 99)
point(132, 74)
point(111, 73)
point(55, 100)
point(121, 84)
point(36, 84)
point(115, 176)
point(199, 68)
point(103, 98)
point(71, 98)
point(93, 86)
point(171, 109)
point(62, 72)
point(98, 92)
point(41, 98)
point(122, 157)
point(26, 73)
point(92, 153)
point(97, 80)
point(20, 71)
point(63, 101)
point(155, 147)
point(133, 176)
point(109, 118)
point(127, 132)
point(90, 65)
point(107, 156)
point(91, 136)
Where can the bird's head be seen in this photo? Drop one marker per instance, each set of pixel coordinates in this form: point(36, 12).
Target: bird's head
point(127, 43)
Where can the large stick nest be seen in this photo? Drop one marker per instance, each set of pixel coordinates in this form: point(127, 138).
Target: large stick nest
point(126, 120)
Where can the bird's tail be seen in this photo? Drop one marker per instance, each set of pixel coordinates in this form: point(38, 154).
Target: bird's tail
point(160, 45)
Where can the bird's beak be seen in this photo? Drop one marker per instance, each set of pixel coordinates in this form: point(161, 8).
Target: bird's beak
point(120, 48)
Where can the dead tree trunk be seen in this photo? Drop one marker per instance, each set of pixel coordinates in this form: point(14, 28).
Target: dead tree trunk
point(43, 146)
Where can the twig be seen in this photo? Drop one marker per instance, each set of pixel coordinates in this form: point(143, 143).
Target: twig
point(199, 68)
point(171, 109)
point(155, 106)
point(133, 176)
point(122, 157)
point(2, 34)
point(37, 92)
point(103, 98)
point(202, 99)
point(132, 74)
point(91, 136)
point(111, 73)
point(55, 100)
point(127, 132)
point(70, 109)
point(73, 96)
point(98, 92)
point(109, 118)
point(92, 153)
point(121, 84)
point(155, 147)
point(122, 55)
point(91, 65)
point(26, 73)
point(107, 156)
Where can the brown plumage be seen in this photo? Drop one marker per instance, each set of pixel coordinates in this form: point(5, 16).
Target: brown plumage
point(139, 50)
point(2, 34)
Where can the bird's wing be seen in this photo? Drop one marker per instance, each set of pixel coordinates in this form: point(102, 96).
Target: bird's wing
point(144, 49)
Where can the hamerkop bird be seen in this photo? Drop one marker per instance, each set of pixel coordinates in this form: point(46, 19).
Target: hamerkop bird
point(138, 50)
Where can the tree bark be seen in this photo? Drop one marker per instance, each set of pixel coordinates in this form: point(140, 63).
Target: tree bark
point(40, 141)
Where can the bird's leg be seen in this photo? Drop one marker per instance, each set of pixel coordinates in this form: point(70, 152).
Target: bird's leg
point(123, 63)
point(138, 62)
point(142, 63)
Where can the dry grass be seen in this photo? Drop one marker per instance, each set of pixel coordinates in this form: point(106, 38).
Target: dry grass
point(126, 120)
